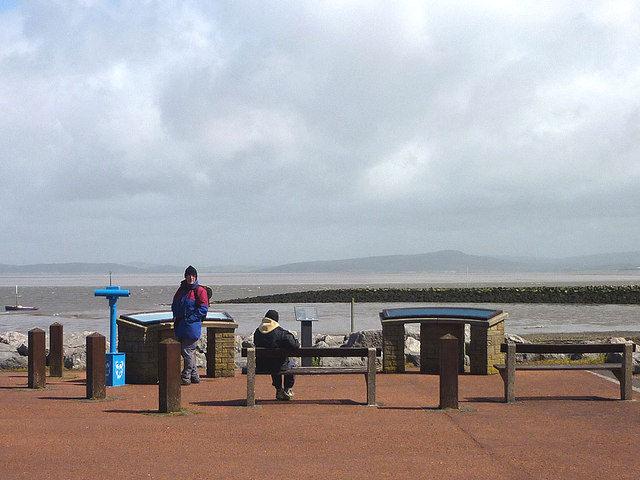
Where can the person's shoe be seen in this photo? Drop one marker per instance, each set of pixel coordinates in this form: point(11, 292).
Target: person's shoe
point(185, 381)
point(195, 379)
point(280, 395)
point(289, 393)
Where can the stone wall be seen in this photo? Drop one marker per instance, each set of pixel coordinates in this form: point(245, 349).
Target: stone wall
point(393, 348)
point(141, 347)
point(221, 341)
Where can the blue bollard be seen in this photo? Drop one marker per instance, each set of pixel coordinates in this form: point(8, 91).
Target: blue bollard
point(115, 367)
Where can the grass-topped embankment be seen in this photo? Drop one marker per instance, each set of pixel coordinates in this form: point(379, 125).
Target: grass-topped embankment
point(599, 294)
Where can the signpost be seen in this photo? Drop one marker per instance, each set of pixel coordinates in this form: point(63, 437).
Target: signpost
point(306, 315)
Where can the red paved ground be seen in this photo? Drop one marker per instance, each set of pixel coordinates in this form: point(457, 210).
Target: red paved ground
point(565, 425)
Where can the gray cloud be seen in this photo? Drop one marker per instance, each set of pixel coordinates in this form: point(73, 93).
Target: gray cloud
point(272, 132)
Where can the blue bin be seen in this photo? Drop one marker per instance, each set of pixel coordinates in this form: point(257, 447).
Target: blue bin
point(115, 369)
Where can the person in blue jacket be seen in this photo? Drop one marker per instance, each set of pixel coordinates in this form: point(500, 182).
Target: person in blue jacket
point(190, 306)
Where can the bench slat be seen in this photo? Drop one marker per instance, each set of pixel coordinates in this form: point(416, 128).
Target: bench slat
point(566, 348)
point(325, 370)
point(622, 371)
point(312, 352)
point(569, 366)
point(369, 370)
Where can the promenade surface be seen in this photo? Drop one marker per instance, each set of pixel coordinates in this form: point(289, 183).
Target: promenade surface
point(565, 425)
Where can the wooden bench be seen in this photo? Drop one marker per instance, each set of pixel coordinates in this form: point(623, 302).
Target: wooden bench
point(368, 370)
point(623, 371)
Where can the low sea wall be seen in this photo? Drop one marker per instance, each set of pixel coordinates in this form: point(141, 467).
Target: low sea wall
point(598, 294)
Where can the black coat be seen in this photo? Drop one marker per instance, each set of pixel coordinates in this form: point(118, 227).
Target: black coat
point(276, 338)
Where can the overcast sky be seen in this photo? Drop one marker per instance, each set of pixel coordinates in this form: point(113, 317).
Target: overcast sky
point(255, 132)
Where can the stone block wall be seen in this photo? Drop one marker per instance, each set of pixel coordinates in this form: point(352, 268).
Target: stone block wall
point(484, 350)
point(393, 348)
point(220, 352)
point(140, 345)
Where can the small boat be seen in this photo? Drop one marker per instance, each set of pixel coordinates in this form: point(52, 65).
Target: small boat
point(18, 307)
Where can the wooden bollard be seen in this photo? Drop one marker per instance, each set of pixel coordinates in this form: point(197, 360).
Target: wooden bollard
point(37, 359)
point(96, 366)
point(169, 394)
point(56, 357)
point(449, 372)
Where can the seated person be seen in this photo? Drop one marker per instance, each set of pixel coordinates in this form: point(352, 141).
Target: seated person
point(271, 335)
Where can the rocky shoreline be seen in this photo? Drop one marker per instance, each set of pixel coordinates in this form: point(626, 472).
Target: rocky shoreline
point(14, 350)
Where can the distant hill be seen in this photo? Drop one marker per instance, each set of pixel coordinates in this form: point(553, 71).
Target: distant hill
point(456, 261)
point(85, 268)
point(441, 261)
point(78, 268)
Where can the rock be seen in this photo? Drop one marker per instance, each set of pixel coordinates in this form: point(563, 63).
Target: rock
point(75, 357)
point(412, 331)
point(616, 357)
point(365, 338)
point(342, 362)
point(330, 340)
point(411, 345)
point(247, 341)
point(10, 359)
point(15, 339)
point(23, 350)
point(515, 339)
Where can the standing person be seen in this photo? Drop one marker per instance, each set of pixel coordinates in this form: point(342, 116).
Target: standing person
point(190, 306)
point(271, 335)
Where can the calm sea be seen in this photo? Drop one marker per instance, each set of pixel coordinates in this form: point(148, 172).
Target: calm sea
point(69, 300)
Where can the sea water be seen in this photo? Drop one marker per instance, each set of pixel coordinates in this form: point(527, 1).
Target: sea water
point(69, 300)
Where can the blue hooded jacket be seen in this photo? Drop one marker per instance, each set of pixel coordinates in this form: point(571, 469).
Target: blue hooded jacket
point(190, 306)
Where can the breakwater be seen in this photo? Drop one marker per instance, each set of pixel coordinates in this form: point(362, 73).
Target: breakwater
point(597, 294)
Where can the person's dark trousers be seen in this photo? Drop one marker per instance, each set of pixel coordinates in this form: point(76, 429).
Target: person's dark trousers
point(289, 380)
point(187, 349)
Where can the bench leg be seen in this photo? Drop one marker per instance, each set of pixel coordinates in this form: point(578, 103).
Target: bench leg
point(509, 374)
point(251, 377)
point(370, 377)
point(625, 374)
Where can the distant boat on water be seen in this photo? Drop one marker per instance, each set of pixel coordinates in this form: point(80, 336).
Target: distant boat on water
point(18, 307)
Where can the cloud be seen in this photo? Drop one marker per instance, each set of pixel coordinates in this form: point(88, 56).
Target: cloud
point(291, 131)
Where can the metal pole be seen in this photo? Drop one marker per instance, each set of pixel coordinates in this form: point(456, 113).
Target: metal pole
point(113, 335)
point(352, 327)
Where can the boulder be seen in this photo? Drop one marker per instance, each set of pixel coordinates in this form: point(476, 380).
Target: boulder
point(10, 359)
point(330, 340)
point(365, 338)
point(514, 339)
point(15, 339)
point(75, 357)
point(23, 350)
point(616, 357)
point(412, 351)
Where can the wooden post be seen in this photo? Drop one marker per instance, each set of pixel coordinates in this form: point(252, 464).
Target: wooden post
point(56, 357)
point(96, 366)
point(251, 377)
point(448, 371)
point(37, 359)
point(169, 393)
point(371, 377)
point(510, 374)
point(626, 380)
